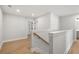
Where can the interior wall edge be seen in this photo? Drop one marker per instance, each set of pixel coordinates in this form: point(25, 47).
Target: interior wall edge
point(68, 48)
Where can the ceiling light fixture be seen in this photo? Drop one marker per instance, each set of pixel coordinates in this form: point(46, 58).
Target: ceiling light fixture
point(18, 10)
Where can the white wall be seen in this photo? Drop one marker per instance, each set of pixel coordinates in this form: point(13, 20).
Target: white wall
point(67, 22)
point(69, 40)
point(14, 27)
point(48, 22)
point(1, 26)
point(54, 25)
point(43, 23)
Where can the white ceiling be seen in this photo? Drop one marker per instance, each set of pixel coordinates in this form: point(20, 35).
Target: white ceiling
point(27, 10)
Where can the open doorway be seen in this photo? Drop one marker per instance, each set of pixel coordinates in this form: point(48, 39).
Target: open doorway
point(77, 27)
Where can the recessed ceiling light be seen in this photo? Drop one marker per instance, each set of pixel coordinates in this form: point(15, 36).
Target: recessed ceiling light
point(18, 10)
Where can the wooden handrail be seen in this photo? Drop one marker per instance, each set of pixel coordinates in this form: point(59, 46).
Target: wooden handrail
point(41, 38)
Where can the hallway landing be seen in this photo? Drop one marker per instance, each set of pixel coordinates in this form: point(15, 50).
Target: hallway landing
point(75, 48)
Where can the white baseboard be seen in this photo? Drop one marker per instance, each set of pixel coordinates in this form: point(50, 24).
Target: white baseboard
point(1, 43)
point(9, 40)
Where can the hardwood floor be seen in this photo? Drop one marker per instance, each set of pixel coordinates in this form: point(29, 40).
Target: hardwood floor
point(22, 46)
point(75, 48)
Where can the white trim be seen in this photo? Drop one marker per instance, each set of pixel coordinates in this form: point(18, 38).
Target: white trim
point(2, 42)
point(9, 40)
point(68, 48)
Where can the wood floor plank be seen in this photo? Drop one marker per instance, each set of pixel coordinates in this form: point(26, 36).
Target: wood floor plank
point(17, 47)
point(75, 48)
